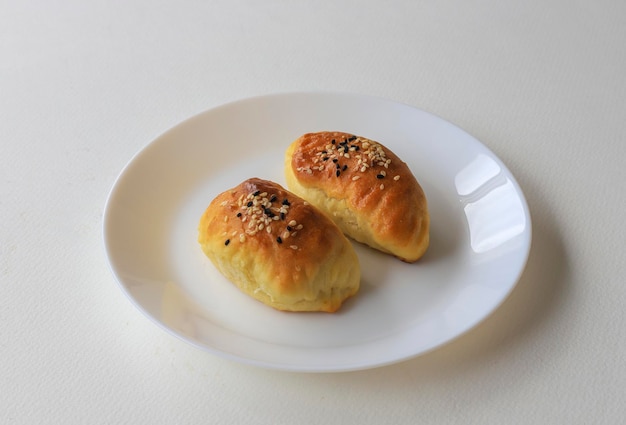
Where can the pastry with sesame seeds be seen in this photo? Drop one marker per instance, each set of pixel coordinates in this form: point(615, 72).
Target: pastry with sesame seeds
point(278, 248)
point(367, 190)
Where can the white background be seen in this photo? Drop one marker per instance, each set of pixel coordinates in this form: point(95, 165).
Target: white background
point(85, 85)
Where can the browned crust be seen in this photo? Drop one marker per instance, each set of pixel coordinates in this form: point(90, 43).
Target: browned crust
point(287, 257)
point(373, 181)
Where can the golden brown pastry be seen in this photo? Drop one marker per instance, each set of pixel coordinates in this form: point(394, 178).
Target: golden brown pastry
point(364, 187)
point(278, 248)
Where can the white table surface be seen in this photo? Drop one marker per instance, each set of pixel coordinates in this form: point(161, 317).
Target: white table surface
point(85, 85)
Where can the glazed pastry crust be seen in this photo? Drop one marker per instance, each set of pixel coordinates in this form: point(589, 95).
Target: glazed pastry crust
point(302, 263)
point(364, 187)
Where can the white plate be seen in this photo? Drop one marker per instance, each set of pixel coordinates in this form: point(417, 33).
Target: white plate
point(480, 235)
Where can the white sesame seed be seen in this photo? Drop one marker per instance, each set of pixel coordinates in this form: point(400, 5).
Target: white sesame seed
point(242, 238)
point(292, 223)
point(293, 247)
point(294, 233)
point(382, 186)
point(396, 178)
point(268, 229)
point(299, 227)
point(356, 178)
point(260, 226)
point(285, 234)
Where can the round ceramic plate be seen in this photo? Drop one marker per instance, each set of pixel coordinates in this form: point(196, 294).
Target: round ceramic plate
point(480, 235)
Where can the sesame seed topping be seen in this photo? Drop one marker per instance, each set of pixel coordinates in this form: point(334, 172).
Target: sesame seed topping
point(299, 226)
point(356, 178)
point(380, 176)
point(279, 240)
point(294, 247)
point(396, 178)
point(238, 214)
point(293, 223)
point(227, 242)
point(382, 186)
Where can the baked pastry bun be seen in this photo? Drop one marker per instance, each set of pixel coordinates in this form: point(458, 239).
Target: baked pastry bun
point(278, 248)
point(364, 187)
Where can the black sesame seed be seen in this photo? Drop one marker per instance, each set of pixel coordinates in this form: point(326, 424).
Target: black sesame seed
point(335, 160)
point(286, 202)
point(356, 147)
point(289, 228)
point(345, 167)
point(338, 173)
point(238, 214)
point(325, 158)
point(272, 198)
point(333, 141)
point(380, 176)
point(256, 193)
point(249, 204)
point(279, 239)
point(338, 166)
point(324, 152)
point(352, 138)
point(268, 212)
point(282, 215)
point(227, 242)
